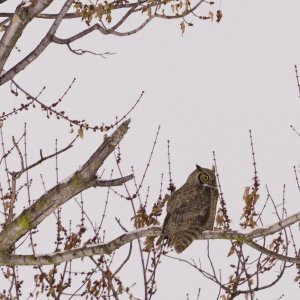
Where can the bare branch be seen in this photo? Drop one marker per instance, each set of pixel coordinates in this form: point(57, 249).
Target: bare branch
point(19, 152)
point(82, 51)
point(42, 159)
point(271, 253)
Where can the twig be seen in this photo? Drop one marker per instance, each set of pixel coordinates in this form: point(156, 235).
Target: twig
point(171, 187)
point(19, 152)
point(293, 128)
point(296, 176)
point(297, 78)
point(81, 52)
point(42, 159)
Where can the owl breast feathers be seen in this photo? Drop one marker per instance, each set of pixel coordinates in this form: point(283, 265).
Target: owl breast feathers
point(191, 209)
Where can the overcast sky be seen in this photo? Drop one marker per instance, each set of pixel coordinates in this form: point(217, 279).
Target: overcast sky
point(206, 89)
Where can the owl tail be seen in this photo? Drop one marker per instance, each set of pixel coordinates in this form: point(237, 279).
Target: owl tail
point(181, 243)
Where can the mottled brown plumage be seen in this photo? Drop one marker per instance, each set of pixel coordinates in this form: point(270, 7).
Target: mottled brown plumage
point(191, 209)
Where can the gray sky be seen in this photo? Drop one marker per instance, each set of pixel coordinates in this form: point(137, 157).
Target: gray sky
point(206, 90)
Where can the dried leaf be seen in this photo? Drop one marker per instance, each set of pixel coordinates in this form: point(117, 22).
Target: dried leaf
point(182, 27)
point(149, 11)
point(219, 219)
point(231, 251)
point(80, 132)
point(108, 17)
point(219, 16)
point(271, 245)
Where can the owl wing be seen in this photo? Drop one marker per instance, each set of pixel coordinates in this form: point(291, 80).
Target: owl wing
point(190, 221)
point(187, 211)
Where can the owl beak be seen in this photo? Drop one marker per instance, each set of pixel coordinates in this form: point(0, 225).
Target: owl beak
point(210, 186)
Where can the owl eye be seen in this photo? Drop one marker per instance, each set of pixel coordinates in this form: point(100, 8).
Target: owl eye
point(203, 178)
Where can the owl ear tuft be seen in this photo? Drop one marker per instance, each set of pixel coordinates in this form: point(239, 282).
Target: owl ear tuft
point(199, 168)
point(213, 168)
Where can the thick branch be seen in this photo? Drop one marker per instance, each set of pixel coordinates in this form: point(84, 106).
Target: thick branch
point(103, 248)
point(267, 230)
point(109, 247)
point(82, 179)
point(251, 234)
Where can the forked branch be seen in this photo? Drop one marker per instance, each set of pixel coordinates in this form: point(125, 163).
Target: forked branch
point(82, 179)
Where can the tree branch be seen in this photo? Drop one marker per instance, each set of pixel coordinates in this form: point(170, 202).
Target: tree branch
point(23, 15)
point(14, 35)
point(81, 34)
point(250, 234)
point(267, 230)
point(112, 182)
point(109, 247)
point(82, 179)
point(103, 248)
point(18, 22)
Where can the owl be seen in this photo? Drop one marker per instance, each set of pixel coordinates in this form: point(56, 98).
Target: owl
point(191, 209)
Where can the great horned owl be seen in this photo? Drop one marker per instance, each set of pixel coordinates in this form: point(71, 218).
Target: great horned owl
point(191, 209)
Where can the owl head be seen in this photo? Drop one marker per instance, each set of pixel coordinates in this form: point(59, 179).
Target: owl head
point(203, 177)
